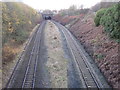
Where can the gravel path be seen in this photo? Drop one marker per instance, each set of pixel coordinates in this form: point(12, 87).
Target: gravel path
point(57, 63)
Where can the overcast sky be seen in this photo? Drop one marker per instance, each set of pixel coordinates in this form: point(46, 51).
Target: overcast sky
point(59, 4)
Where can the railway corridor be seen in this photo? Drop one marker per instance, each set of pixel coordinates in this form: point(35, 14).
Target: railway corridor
point(54, 59)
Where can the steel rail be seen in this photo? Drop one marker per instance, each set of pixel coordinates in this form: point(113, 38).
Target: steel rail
point(88, 67)
point(28, 81)
point(36, 46)
point(11, 79)
point(37, 58)
point(85, 59)
point(72, 42)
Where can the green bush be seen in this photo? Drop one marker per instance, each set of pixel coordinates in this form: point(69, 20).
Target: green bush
point(110, 19)
point(20, 36)
point(99, 14)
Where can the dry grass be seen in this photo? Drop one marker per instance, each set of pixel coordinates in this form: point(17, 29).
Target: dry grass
point(9, 53)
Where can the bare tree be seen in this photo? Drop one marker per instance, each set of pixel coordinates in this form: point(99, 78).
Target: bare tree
point(73, 7)
point(81, 6)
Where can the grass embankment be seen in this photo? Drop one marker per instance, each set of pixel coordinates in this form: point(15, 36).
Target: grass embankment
point(18, 22)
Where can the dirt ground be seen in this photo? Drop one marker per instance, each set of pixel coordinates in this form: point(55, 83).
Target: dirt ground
point(56, 63)
point(101, 48)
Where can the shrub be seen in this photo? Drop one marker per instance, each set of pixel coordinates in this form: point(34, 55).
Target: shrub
point(20, 36)
point(99, 14)
point(8, 54)
point(111, 21)
point(18, 21)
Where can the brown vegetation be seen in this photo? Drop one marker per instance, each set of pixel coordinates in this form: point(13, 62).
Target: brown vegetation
point(100, 47)
point(65, 19)
point(18, 22)
point(9, 53)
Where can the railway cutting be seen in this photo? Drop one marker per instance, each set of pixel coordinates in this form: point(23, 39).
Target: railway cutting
point(54, 58)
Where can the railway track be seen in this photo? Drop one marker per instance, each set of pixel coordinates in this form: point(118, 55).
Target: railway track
point(88, 71)
point(23, 75)
point(28, 68)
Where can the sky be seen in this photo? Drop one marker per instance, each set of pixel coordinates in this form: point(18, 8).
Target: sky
point(59, 4)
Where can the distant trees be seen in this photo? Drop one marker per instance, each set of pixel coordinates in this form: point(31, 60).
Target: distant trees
point(102, 4)
point(81, 6)
point(47, 12)
point(73, 10)
point(96, 7)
